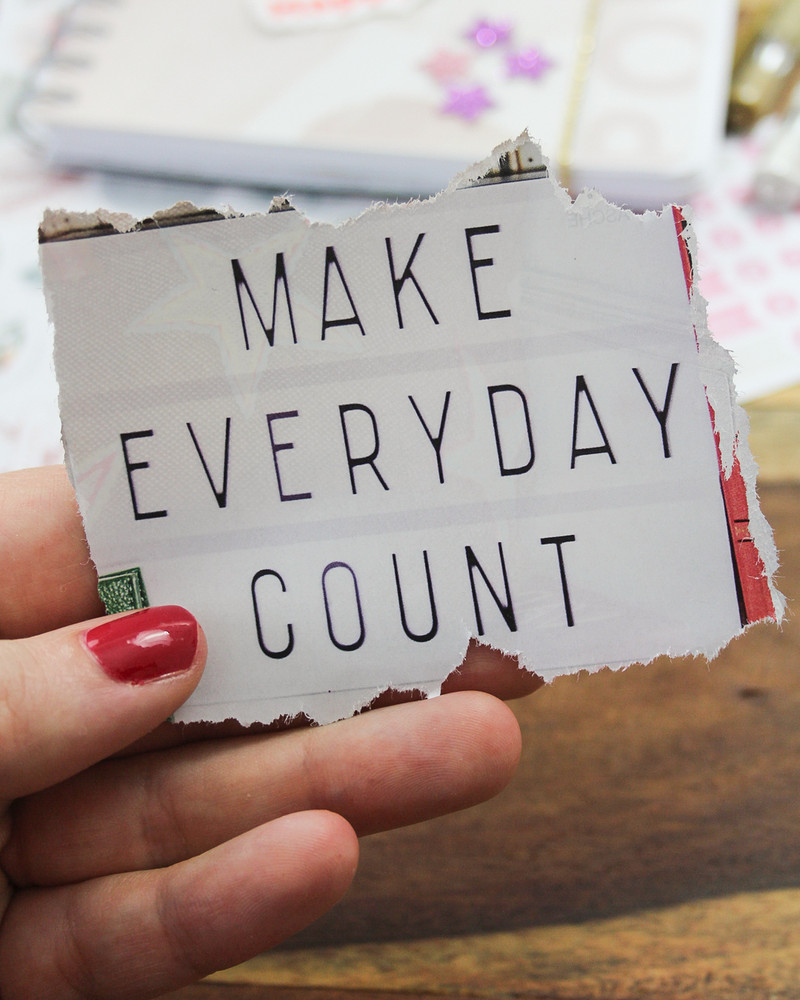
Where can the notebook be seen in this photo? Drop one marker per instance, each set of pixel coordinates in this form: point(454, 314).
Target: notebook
point(388, 96)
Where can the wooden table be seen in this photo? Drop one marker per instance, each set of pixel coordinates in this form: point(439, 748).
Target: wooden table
point(648, 849)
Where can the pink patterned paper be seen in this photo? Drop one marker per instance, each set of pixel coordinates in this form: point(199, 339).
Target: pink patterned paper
point(749, 271)
point(282, 15)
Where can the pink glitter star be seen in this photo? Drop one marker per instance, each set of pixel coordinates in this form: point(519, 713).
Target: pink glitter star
point(467, 102)
point(530, 62)
point(489, 33)
point(445, 66)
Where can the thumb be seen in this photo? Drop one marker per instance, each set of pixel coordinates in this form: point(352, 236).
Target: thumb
point(72, 697)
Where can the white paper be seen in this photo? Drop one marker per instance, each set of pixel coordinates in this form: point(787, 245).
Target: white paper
point(500, 429)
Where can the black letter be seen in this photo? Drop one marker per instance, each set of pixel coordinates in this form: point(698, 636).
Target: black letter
point(397, 283)
point(130, 468)
point(346, 646)
point(581, 387)
point(434, 617)
point(507, 609)
point(279, 655)
point(661, 415)
point(330, 258)
point(283, 446)
point(280, 276)
point(221, 495)
point(482, 262)
point(365, 459)
point(558, 541)
point(520, 469)
point(435, 441)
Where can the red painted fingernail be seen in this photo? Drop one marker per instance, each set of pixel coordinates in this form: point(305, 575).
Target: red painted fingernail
point(146, 645)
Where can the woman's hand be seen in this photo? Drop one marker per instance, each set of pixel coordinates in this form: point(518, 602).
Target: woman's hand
point(131, 872)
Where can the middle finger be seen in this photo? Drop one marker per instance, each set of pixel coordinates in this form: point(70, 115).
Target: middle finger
point(383, 769)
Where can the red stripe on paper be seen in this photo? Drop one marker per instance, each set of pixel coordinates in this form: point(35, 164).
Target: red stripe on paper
point(752, 585)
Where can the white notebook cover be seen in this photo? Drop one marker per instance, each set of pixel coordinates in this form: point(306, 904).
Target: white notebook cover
point(297, 95)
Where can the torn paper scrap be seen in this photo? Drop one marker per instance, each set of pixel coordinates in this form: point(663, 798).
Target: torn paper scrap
point(494, 413)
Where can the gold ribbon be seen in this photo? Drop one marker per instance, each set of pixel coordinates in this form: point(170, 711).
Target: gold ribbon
point(585, 49)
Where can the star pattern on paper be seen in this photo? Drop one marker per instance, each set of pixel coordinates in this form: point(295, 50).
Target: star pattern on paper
point(532, 63)
point(472, 76)
point(488, 33)
point(467, 102)
point(445, 66)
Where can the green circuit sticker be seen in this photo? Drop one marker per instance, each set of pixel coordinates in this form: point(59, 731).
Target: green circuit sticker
point(123, 591)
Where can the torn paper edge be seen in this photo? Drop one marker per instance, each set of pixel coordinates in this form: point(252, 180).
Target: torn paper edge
point(753, 551)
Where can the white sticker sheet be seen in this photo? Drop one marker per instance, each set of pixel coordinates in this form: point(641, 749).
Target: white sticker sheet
point(492, 414)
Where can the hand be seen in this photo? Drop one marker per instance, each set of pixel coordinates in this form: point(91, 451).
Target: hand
point(127, 873)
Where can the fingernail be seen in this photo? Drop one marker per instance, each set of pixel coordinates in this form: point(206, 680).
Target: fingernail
point(146, 645)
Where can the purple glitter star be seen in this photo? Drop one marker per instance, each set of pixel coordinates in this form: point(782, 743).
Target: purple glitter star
point(489, 33)
point(530, 62)
point(467, 102)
